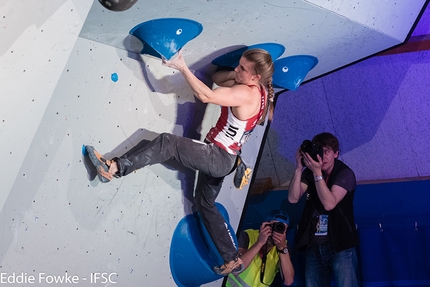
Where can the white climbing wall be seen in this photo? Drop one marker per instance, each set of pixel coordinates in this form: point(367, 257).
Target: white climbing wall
point(56, 61)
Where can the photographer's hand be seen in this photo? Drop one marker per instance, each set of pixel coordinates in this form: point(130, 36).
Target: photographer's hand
point(296, 188)
point(279, 239)
point(299, 158)
point(287, 269)
point(314, 166)
point(265, 232)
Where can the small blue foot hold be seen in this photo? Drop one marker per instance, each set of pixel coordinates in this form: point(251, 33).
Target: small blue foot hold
point(114, 77)
point(84, 150)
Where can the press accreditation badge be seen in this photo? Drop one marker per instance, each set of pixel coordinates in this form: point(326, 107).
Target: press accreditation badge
point(322, 225)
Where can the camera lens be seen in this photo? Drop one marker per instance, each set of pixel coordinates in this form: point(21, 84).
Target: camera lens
point(278, 227)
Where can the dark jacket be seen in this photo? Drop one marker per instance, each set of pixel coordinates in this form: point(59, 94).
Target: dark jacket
point(341, 225)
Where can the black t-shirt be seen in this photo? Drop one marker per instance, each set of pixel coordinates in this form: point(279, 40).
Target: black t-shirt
point(345, 179)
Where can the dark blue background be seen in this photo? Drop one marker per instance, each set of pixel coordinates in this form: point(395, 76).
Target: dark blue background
point(393, 224)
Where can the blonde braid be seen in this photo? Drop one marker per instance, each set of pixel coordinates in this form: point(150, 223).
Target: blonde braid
point(269, 109)
point(271, 97)
point(264, 66)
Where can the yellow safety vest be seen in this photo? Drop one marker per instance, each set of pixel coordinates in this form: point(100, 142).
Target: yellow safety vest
point(250, 277)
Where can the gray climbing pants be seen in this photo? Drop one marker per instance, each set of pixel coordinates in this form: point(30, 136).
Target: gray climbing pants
point(213, 164)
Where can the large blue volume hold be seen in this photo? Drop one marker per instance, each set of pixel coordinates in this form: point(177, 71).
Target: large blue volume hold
point(166, 36)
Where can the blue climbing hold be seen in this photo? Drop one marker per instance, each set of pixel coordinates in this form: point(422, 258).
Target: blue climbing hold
point(291, 71)
point(166, 36)
point(193, 253)
point(231, 59)
point(84, 150)
point(114, 77)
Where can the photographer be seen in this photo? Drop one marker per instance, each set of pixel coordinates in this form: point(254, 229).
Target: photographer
point(264, 253)
point(327, 231)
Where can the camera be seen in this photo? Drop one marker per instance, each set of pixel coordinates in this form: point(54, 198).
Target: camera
point(312, 149)
point(277, 227)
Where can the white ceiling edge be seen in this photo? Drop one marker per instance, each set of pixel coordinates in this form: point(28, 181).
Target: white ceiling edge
point(393, 18)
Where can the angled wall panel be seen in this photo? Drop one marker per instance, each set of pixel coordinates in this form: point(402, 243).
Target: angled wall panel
point(392, 18)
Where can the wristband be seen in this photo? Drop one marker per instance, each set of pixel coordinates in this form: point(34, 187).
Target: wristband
point(318, 178)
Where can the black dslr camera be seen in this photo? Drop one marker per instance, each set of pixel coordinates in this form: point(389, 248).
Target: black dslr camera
point(277, 227)
point(312, 149)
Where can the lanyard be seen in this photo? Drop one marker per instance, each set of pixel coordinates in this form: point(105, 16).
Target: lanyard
point(263, 264)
